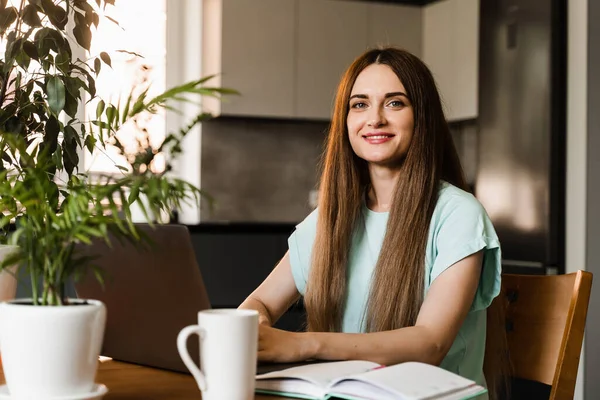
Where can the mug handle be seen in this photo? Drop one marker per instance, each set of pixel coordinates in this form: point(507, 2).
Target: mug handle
point(185, 356)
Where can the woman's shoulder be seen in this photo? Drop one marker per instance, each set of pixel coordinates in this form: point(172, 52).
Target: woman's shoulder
point(452, 199)
point(306, 230)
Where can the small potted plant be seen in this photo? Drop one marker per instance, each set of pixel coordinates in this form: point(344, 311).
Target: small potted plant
point(49, 343)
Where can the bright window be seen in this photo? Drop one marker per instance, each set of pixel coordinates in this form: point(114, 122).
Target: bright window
point(141, 30)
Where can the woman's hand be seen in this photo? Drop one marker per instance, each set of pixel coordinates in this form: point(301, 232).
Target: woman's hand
point(276, 345)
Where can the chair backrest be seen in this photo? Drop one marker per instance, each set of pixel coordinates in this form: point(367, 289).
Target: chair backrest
point(544, 321)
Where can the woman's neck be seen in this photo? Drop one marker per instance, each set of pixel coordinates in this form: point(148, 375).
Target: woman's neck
point(381, 190)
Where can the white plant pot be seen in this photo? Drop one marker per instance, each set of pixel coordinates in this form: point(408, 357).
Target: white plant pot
point(50, 351)
point(8, 279)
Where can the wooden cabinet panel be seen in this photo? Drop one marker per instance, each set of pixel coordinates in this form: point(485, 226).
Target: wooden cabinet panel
point(286, 57)
point(331, 34)
point(251, 46)
point(395, 25)
point(467, 59)
point(451, 50)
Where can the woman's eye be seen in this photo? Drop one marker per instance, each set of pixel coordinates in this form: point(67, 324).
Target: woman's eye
point(396, 103)
point(359, 105)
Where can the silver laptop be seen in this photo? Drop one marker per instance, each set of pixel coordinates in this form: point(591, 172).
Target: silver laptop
point(150, 293)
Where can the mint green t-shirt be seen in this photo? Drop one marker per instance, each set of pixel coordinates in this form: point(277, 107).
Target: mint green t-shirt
point(459, 227)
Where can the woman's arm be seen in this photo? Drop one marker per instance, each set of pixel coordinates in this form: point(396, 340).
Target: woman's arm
point(443, 311)
point(275, 295)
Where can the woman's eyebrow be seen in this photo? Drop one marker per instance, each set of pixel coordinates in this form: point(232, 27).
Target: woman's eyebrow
point(391, 94)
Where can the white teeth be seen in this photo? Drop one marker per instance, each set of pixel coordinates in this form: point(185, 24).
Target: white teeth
point(378, 137)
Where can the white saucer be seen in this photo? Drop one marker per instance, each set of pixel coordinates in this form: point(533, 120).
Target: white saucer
point(98, 391)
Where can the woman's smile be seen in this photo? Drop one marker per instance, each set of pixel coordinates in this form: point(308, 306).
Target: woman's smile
point(378, 137)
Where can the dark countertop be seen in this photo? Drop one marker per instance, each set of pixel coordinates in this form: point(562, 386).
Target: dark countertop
point(243, 227)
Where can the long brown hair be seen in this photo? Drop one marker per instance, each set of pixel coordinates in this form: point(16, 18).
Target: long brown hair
point(398, 283)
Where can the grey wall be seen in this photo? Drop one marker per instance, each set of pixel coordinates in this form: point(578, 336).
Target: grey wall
point(464, 134)
point(260, 170)
point(592, 345)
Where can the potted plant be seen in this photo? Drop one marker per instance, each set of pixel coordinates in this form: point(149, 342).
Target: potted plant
point(49, 344)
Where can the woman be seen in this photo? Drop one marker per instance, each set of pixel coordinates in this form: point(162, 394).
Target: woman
point(398, 263)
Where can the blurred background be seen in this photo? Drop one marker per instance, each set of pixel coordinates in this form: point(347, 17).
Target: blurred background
point(516, 82)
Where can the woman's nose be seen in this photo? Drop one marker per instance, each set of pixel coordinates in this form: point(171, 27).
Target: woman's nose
point(376, 119)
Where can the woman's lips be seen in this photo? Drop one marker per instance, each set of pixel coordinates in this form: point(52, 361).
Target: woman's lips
point(378, 138)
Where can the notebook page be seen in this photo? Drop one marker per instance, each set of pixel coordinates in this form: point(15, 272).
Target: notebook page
point(321, 374)
point(357, 390)
point(414, 380)
point(299, 388)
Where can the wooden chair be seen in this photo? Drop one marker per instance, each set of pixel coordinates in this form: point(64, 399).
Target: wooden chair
point(544, 321)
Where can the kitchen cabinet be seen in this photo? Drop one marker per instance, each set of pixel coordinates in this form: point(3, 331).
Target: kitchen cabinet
point(451, 50)
point(395, 25)
point(286, 57)
point(250, 44)
point(331, 34)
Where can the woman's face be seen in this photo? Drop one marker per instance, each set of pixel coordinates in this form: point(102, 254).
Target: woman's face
point(380, 118)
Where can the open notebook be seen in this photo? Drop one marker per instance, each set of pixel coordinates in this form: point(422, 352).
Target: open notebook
point(364, 380)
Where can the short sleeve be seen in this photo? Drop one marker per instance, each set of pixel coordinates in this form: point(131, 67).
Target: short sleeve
point(300, 245)
point(464, 228)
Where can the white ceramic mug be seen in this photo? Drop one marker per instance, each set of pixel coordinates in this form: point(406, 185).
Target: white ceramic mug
point(228, 347)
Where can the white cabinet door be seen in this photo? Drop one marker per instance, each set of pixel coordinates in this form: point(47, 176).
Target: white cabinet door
point(467, 59)
point(250, 43)
point(395, 25)
point(451, 50)
point(331, 34)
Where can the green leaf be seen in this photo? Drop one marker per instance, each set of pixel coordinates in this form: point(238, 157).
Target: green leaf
point(90, 143)
point(100, 109)
point(63, 62)
point(7, 17)
point(91, 86)
point(30, 49)
point(70, 156)
point(83, 36)
point(31, 17)
point(79, 18)
point(23, 60)
point(58, 17)
point(97, 66)
point(135, 193)
point(125, 112)
point(73, 85)
point(13, 48)
point(57, 158)
point(106, 58)
point(111, 113)
point(71, 105)
point(56, 94)
point(51, 130)
point(52, 194)
point(70, 133)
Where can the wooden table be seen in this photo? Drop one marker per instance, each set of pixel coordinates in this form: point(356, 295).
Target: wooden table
point(133, 382)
